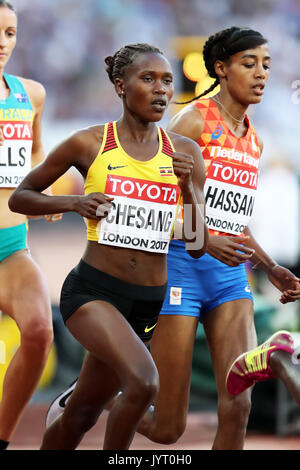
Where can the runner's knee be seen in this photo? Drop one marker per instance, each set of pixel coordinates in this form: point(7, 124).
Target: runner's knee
point(168, 434)
point(235, 411)
point(37, 337)
point(141, 388)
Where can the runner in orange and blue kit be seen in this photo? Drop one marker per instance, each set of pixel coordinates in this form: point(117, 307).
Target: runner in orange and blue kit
point(215, 289)
point(231, 182)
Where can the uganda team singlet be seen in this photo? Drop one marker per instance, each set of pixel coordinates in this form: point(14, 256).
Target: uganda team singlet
point(231, 171)
point(16, 117)
point(146, 195)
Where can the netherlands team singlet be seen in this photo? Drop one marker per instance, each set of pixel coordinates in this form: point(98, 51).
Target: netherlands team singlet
point(231, 171)
point(16, 117)
point(146, 195)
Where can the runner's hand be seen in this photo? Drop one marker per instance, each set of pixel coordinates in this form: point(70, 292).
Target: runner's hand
point(229, 250)
point(286, 282)
point(183, 165)
point(94, 206)
point(53, 217)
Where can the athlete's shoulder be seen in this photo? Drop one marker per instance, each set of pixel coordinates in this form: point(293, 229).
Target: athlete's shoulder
point(260, 143)
point(188, 122)
point(182, 143)
point(35, 90)
point(259, 139)
point(80, 147)
point(95, 132)
point(86, 138)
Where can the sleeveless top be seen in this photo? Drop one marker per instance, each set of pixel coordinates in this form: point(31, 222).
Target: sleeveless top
point(231, 171)
point(16, 117)
point(146, 195)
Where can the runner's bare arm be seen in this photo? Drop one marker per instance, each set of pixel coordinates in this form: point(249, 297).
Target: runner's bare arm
point(189, 168)
point(28, 197)
point(188, 122)
point(280, 277)
point(37, 95)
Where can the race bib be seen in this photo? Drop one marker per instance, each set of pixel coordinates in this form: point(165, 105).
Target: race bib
point(230, 191)
point(15, 154)
point(142, 216)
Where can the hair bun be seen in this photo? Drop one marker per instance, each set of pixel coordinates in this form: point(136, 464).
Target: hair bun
point(109, 61)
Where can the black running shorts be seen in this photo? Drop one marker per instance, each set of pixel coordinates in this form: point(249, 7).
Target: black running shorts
point(140, 305)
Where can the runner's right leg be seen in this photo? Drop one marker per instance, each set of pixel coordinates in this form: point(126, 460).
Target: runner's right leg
point(116, 350)
point(24, 297)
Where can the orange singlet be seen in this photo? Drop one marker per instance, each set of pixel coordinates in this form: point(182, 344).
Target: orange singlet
point(231, 171)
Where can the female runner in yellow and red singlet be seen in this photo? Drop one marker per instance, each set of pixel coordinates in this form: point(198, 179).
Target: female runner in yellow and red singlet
point(134, 173)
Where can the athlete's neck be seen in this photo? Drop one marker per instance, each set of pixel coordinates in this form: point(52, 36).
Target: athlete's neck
point(233, 113)
point(4, 88)
point(235, 110)
point(135, 130)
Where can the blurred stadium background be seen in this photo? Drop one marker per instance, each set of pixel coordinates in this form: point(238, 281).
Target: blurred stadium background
point(62, 43)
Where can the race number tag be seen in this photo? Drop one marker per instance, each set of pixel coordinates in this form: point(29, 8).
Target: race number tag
point(229, 194)
point(175, 295)
point(15, 154)
point(142, 215)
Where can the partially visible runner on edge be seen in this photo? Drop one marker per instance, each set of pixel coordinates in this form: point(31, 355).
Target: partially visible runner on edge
point(215, 289)
point(24, 294)
point(134, 174)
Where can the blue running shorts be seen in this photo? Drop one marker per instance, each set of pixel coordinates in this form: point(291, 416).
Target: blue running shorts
point(196, 286)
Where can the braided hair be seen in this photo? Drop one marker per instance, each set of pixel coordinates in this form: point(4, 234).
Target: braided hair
point(6, 4)
point(125, 56)
point(224, 44)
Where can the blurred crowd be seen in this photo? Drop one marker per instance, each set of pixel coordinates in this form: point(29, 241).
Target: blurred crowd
point(62, 43)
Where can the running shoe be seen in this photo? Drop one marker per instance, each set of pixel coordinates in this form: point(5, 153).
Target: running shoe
point(58, 405)
point(253, 366)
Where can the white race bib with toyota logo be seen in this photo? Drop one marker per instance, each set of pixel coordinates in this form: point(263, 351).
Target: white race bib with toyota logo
point(230, 191)
point(15, 154)
point(142, 216)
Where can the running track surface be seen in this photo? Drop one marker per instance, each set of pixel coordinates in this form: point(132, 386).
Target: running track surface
point(199, 435)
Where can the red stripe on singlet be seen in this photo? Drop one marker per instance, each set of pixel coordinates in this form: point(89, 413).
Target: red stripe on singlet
point(110, 142)
point(166, 147)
